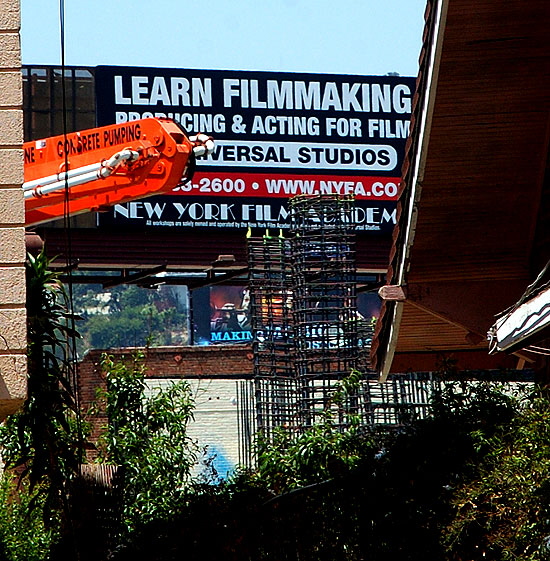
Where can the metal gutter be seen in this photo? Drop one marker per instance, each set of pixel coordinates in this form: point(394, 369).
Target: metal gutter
point(418, 167)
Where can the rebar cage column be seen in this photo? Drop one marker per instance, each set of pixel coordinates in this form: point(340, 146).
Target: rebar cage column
point(325, 315)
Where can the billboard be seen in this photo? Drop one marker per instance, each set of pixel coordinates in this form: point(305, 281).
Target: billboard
point(221, 314)
point(277, 135)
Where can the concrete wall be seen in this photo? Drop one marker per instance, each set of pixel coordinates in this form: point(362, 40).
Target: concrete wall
point(216, 419)
point(13, 331)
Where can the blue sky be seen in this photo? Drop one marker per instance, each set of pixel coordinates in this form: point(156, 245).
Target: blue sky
point(365, 37)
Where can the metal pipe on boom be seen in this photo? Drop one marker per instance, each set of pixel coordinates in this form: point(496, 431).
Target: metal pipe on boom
point(151, 156)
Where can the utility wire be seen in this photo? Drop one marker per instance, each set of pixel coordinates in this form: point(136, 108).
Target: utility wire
point(71, 343)
point(72, 370)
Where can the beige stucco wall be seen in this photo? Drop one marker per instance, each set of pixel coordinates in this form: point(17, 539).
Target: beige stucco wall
point(216, 418)
point(13, 340)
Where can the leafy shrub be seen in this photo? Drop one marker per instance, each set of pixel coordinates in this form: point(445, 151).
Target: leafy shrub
point(502, 512)
point(24, 536)
point(147, 437)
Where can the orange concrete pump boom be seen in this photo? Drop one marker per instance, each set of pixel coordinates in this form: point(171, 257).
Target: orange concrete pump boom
point(97, 168)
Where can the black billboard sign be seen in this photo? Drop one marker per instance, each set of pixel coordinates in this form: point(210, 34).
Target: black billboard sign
point(277, 135)
point(221, 314)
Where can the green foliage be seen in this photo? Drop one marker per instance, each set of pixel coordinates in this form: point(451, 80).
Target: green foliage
point(325, 450)
point(45, 437)
point(23, 534)
point(135, 317)
point(423, 465)
point(503, 511)
point(132, 327)
point(470, 482)
point(42, 443)
point(147, 437)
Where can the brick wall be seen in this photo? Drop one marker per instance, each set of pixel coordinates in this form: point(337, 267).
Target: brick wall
point(213, 373)
point(13, 330)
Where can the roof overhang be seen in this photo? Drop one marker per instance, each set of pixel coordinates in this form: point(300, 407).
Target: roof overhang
point(472, 222)
point(435, 29)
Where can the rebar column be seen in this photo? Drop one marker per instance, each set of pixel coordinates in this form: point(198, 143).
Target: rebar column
point(325, 316)
point(270, 283)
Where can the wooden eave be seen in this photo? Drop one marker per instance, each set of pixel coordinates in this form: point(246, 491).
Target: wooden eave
point(473, 215)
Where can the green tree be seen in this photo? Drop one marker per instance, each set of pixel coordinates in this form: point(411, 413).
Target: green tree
point(23, 534)
point(137, 317)
point(147, 437)
point(502, 512)
point(46, 437)
point(42, 443)
point(469, 482)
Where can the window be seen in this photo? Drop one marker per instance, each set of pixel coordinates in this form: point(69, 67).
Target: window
point(43, 100)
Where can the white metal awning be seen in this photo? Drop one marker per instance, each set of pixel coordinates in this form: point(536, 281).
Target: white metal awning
point(521, 323)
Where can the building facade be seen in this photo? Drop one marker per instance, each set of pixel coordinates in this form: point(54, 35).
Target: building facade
point(13, 336)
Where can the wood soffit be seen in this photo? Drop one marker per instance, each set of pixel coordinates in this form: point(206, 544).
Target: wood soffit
point(480, 203)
